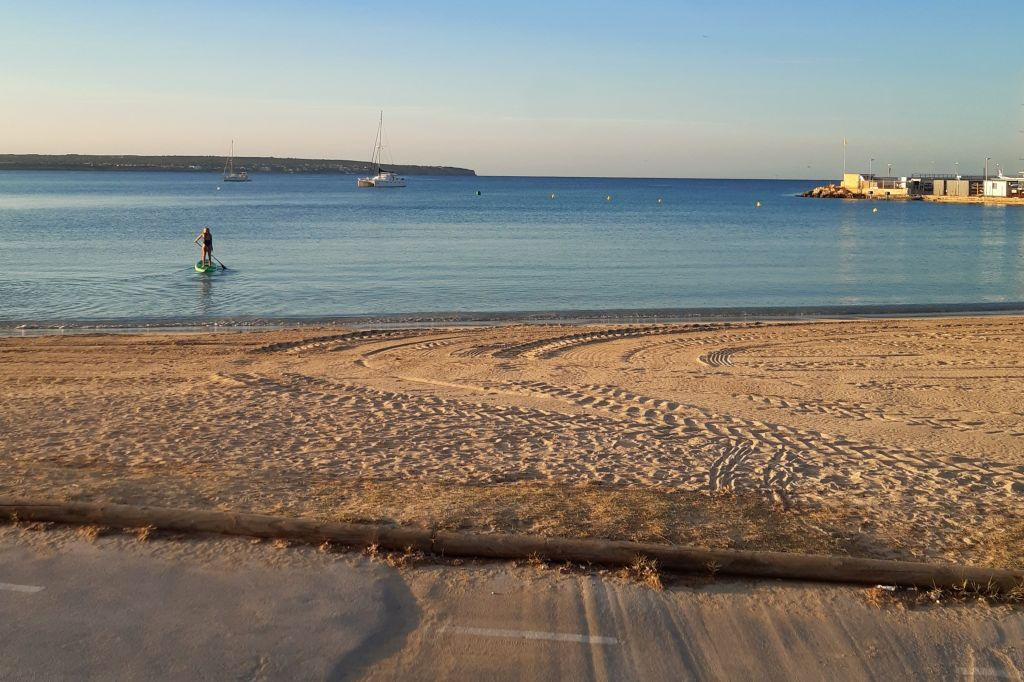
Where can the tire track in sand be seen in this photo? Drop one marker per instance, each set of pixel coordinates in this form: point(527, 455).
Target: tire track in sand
point(861, 412)
point(752, 454)
point(553, 347)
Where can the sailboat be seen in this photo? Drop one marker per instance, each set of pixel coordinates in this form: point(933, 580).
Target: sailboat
point(230, 174)
point(383, 178)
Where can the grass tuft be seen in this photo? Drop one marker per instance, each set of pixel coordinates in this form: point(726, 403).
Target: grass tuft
point(145, 533)
point(90, 533)
point(643, 570)
point(410, 557)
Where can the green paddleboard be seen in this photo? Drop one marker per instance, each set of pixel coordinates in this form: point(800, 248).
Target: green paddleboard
point(204, 268)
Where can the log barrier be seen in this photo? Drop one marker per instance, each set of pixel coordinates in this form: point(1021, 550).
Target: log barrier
point(746, 563)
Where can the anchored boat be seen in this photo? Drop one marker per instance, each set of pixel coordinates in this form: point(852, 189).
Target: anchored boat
point(230, 174)
point(383, 178)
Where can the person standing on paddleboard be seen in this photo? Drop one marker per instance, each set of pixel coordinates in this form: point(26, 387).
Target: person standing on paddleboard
point(207, 238)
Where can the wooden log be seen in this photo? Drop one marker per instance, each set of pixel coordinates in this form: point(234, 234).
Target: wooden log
point(512, 546)
point(225, 523)
point(758, 564)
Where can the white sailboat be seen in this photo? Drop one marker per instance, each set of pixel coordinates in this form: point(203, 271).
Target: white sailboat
point(230, 174)
point(383, 178)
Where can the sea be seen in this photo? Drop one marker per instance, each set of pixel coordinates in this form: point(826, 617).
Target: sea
point(87, 249)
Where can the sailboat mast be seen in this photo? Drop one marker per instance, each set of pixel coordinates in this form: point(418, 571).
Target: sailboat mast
point(380, 139)
point(229, 167)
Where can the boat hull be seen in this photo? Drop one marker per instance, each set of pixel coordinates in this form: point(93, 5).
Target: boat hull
point(382, 180)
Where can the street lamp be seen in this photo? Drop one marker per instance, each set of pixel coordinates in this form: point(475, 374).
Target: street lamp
point(957, 165)
point(889, 172)
point(987, 159)
point(871, 165)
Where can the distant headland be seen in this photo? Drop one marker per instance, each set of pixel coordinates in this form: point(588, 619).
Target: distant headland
point(210, 164)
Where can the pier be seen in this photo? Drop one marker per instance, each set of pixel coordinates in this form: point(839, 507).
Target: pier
point(941, 188)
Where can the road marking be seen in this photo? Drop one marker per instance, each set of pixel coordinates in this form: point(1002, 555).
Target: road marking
point(11, 587)
point(533, 634)
point(984, 672)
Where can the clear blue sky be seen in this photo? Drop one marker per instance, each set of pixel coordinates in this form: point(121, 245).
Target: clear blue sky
point(677, 89)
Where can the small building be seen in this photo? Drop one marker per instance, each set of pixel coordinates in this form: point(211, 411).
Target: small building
point(888, 187)
point(1004, 187)
point(951, 187)
point(995, 188)
point(871, 185)
point(853, 181)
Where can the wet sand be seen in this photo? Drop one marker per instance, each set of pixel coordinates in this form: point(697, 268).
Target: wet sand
point(889, 438)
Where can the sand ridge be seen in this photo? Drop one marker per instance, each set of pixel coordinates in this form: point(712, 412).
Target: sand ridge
point(912, 431)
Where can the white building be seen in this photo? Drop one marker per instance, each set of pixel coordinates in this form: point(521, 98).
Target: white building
point(995, 188)
point(1004, 187)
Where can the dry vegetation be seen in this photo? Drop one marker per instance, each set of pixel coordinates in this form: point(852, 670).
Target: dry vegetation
point(643, 570)
point(882, 596)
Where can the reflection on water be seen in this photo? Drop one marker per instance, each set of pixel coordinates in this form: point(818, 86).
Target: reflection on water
point(1018, 266)
point(847, 250)
point(992, 261)
point(205, 300)
point(315, 246)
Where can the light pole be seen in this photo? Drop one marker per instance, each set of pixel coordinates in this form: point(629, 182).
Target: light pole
point(956, 164)
point(871, 165)
point(889, 172)
point(987, 159)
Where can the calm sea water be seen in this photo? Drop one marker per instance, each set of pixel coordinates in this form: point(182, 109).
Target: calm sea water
point(117, 247)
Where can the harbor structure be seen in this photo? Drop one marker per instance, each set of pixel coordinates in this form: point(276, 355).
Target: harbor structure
point(871, 186)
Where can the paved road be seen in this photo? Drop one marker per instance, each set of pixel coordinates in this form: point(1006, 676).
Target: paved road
point(227, 609)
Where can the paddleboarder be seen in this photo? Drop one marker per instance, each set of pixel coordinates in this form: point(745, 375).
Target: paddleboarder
point(207, 245)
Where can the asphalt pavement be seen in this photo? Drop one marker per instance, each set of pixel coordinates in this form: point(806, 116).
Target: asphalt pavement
point(227, 609)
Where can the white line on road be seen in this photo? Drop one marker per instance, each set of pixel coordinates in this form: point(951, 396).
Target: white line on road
point(984, 672)
point(11, 587)
point(533, 634)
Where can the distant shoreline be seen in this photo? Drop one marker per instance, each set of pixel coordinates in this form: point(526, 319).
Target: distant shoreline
point(211, 164)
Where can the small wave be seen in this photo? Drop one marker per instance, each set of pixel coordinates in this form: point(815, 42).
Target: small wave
point(440, 319)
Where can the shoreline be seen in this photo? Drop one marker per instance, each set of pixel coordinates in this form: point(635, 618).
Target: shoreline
point(995, 201)
point(16, 328)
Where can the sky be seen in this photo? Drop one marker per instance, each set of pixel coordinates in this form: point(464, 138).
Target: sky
point(589, 88)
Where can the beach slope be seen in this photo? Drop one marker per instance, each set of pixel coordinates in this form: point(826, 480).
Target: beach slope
point(882, 438)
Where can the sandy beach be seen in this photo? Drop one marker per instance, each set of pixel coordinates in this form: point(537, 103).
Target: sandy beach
point(884, 438)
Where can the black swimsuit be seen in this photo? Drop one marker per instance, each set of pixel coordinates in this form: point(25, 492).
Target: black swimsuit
point(208, 242)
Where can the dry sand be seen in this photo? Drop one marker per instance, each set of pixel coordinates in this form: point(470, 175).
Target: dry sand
point(887, 438)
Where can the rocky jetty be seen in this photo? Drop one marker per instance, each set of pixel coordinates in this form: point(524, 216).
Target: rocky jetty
point(832, 192)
